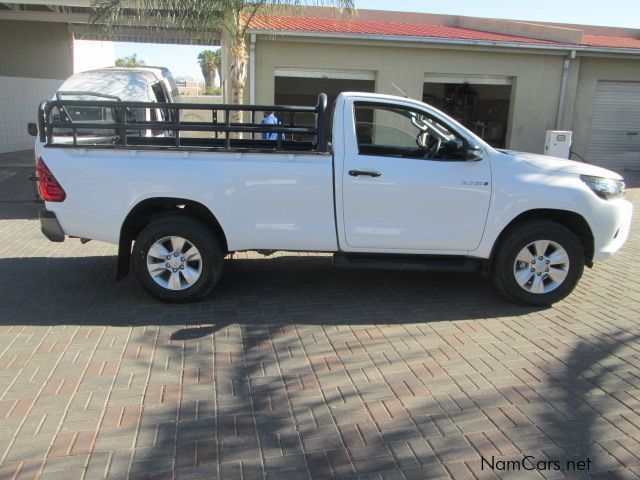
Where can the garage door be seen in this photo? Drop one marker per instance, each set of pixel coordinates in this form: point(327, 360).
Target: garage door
point(302, 87)
point(614, 142)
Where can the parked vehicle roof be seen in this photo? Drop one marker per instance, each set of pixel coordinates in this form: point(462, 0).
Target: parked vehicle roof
point(128, 84)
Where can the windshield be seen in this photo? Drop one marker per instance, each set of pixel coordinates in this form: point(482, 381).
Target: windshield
point(429, 127)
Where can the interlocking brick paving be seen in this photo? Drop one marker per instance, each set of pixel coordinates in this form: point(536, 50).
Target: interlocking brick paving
point(292, 369)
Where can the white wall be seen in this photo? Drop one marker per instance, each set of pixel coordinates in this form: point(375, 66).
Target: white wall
point(35, 57)
point(91, 54)
point(198, 115)
point(20, 99)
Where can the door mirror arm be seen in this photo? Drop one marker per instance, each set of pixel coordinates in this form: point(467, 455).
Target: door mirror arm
point(473, 153)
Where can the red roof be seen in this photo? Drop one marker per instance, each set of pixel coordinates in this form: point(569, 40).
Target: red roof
point(369, 27)
point(612, 42)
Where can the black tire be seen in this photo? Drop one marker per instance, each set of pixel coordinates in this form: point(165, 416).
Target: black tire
point(519, 237)
point(195, 232)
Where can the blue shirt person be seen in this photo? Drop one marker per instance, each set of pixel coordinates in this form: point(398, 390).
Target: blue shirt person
point(270, 119)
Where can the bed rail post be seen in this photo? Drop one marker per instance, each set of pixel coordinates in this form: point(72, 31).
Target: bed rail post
point(321, 126)
point(41, 114)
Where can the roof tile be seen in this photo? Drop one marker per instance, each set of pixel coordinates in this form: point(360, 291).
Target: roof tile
point(395, 29)
point(611, 42)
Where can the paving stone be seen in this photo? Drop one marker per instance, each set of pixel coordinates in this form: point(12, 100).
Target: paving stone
point(72, 464)
point(115, 439)
point(26, 453)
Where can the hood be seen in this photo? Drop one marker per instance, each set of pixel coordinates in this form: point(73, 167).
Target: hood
point(560, 165)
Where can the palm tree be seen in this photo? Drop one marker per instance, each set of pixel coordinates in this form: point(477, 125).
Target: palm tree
point(132, 61)
point(206, 16)
point(210, 61)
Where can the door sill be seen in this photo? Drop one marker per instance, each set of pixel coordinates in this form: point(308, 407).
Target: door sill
point(434, 263)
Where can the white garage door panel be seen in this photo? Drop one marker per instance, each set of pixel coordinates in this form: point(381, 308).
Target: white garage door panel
point(614, 140)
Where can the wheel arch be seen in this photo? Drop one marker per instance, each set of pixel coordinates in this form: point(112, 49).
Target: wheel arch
point(150, 209)
point(573, 221)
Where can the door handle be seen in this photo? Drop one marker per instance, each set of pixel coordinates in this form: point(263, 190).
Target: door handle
point(369, 173)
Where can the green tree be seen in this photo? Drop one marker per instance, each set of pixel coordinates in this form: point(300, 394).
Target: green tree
point(210, 61)
point(208, 17)
point(132, 61)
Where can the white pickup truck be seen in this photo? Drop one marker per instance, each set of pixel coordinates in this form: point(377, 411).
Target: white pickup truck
point(389, 183)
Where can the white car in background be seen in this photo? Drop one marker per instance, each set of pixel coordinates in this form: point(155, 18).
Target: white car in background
point(132, 84)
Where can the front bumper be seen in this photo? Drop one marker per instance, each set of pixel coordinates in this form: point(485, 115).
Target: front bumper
point(613, 232)
point(50, 226)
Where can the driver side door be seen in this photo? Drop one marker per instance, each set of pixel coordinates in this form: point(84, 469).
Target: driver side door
point(405, 192)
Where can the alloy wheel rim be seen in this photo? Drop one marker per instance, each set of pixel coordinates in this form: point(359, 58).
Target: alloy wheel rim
point(541, 267)
point(174, 263)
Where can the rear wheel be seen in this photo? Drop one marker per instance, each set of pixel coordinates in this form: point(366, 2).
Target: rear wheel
point(177, 259)
point(538, 263)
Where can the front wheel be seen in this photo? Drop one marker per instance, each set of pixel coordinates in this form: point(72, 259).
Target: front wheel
point(177, 259)
point(538, 263)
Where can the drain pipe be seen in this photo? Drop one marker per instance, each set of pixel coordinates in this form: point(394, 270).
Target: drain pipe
point(252, 70)
point(563, 88)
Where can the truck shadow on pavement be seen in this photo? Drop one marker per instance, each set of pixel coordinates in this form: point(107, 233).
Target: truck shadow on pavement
point(288, 289)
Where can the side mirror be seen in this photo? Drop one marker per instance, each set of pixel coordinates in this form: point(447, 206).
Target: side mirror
point(32, 128)
point(474, 153)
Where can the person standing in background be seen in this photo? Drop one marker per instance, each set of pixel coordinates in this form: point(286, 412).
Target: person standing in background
point(270, 119)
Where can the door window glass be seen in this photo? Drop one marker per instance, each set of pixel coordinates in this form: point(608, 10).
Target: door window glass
point(391, 130)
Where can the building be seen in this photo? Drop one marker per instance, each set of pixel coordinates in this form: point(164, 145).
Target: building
point(509, 81)
point(37, 43)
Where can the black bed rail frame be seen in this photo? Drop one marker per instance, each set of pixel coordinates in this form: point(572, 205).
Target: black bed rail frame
point(123, 125)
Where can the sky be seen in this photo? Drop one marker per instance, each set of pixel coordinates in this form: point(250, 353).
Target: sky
point(615, 13)
point(182, 59)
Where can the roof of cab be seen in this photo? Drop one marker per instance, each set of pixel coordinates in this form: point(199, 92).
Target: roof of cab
point(156, 72)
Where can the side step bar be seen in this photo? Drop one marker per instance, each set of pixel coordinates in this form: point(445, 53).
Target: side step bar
point(434, 263)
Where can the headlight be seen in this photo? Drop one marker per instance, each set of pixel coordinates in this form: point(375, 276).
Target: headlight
point(606, 188)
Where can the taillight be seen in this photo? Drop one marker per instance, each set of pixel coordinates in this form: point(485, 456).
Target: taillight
point(50, 189)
